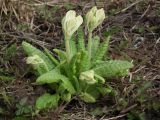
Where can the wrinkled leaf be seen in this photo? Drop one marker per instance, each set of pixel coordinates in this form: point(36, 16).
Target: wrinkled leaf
point(95, 45)
point(50, 56)
point(104, 90)
point(113, 68)
point(50, 77)
point(47, 101)
point(87, 98)
point(103, 48)
point(81, 40)
point(31, 51)
point(55, 76)
point(61, 54)
point(66, 97)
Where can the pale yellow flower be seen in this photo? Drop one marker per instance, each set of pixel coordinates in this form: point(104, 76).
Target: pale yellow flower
point(94, 18)
point(88, 77)
point(34, 60)
point(70, 23)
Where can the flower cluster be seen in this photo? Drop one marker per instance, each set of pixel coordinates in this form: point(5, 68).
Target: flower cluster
point(71, 22)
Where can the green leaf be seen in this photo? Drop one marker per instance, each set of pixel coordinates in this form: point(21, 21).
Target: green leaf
point(38, 63)
point(84, 62)
point(99, 78)
point(67, 84)
point(69, 6)
point(98, 111)
point(55, 76)
point(73, 46)
point(95, 45)
point(104, 90)
point(92, 90)
point(72, 64)
point(113, 68)
point(81, 42)
point(23, 101)
point(31, 51)
point(50, 77)
point(66, 97)
point(6, 78)
point(61, 89)
point(61, 54)
point(72, 70)
point(87, 98)
point(102, 50)
point(47, 101)
point(2, 111)
point(10, 52)
point(112, 31)
point(50, 56)
point(19, 118)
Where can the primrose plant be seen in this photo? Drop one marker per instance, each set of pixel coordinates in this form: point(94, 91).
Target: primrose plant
point(79, 70)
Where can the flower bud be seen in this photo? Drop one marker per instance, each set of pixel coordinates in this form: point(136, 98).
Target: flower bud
point(88, 77)
point(70, 23)
point(94, 17)
point(34, 60)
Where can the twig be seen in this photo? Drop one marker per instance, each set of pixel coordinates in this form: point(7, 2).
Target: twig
point(145, 12)
point(133, 4)
point(115, 118)
point(129, 108)
point(28, 37)
point(142, 67)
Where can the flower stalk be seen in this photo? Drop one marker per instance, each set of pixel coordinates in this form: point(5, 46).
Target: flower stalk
point(68, 50)
point(89, 44)
point(70, 24)
point(93, 18)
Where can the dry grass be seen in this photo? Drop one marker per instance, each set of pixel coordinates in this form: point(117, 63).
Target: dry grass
point(19, 8)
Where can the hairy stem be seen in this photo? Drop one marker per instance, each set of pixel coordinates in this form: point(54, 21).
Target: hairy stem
point(68, 50)
point(89, 44)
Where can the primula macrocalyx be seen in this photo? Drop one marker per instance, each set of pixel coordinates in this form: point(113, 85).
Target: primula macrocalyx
point(88, 77)
point(70, 23)
point(94, 17)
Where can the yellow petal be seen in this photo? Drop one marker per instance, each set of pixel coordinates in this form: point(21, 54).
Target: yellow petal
point(94, 17)
point(70, 15)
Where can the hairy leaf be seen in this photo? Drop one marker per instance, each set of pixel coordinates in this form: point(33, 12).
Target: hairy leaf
point(84, 62)
point(81, 42)
point(67, 84)
point(102, 50)
point(92, 90)
point(61, 54)
point(61, 89)
point(38, 63)
point(47, 101)
point(52, 76)
point(50, 56)
point(31, 51)
point(87, 98)
point(113, 68)
point(55, 76)
point(99, 78)
point(10, 52)
point(95, 45)
point(73, 46)
point(104, 90)
point(72, 70)
point(6, 78)
point(72, 64)
point(66, 97)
